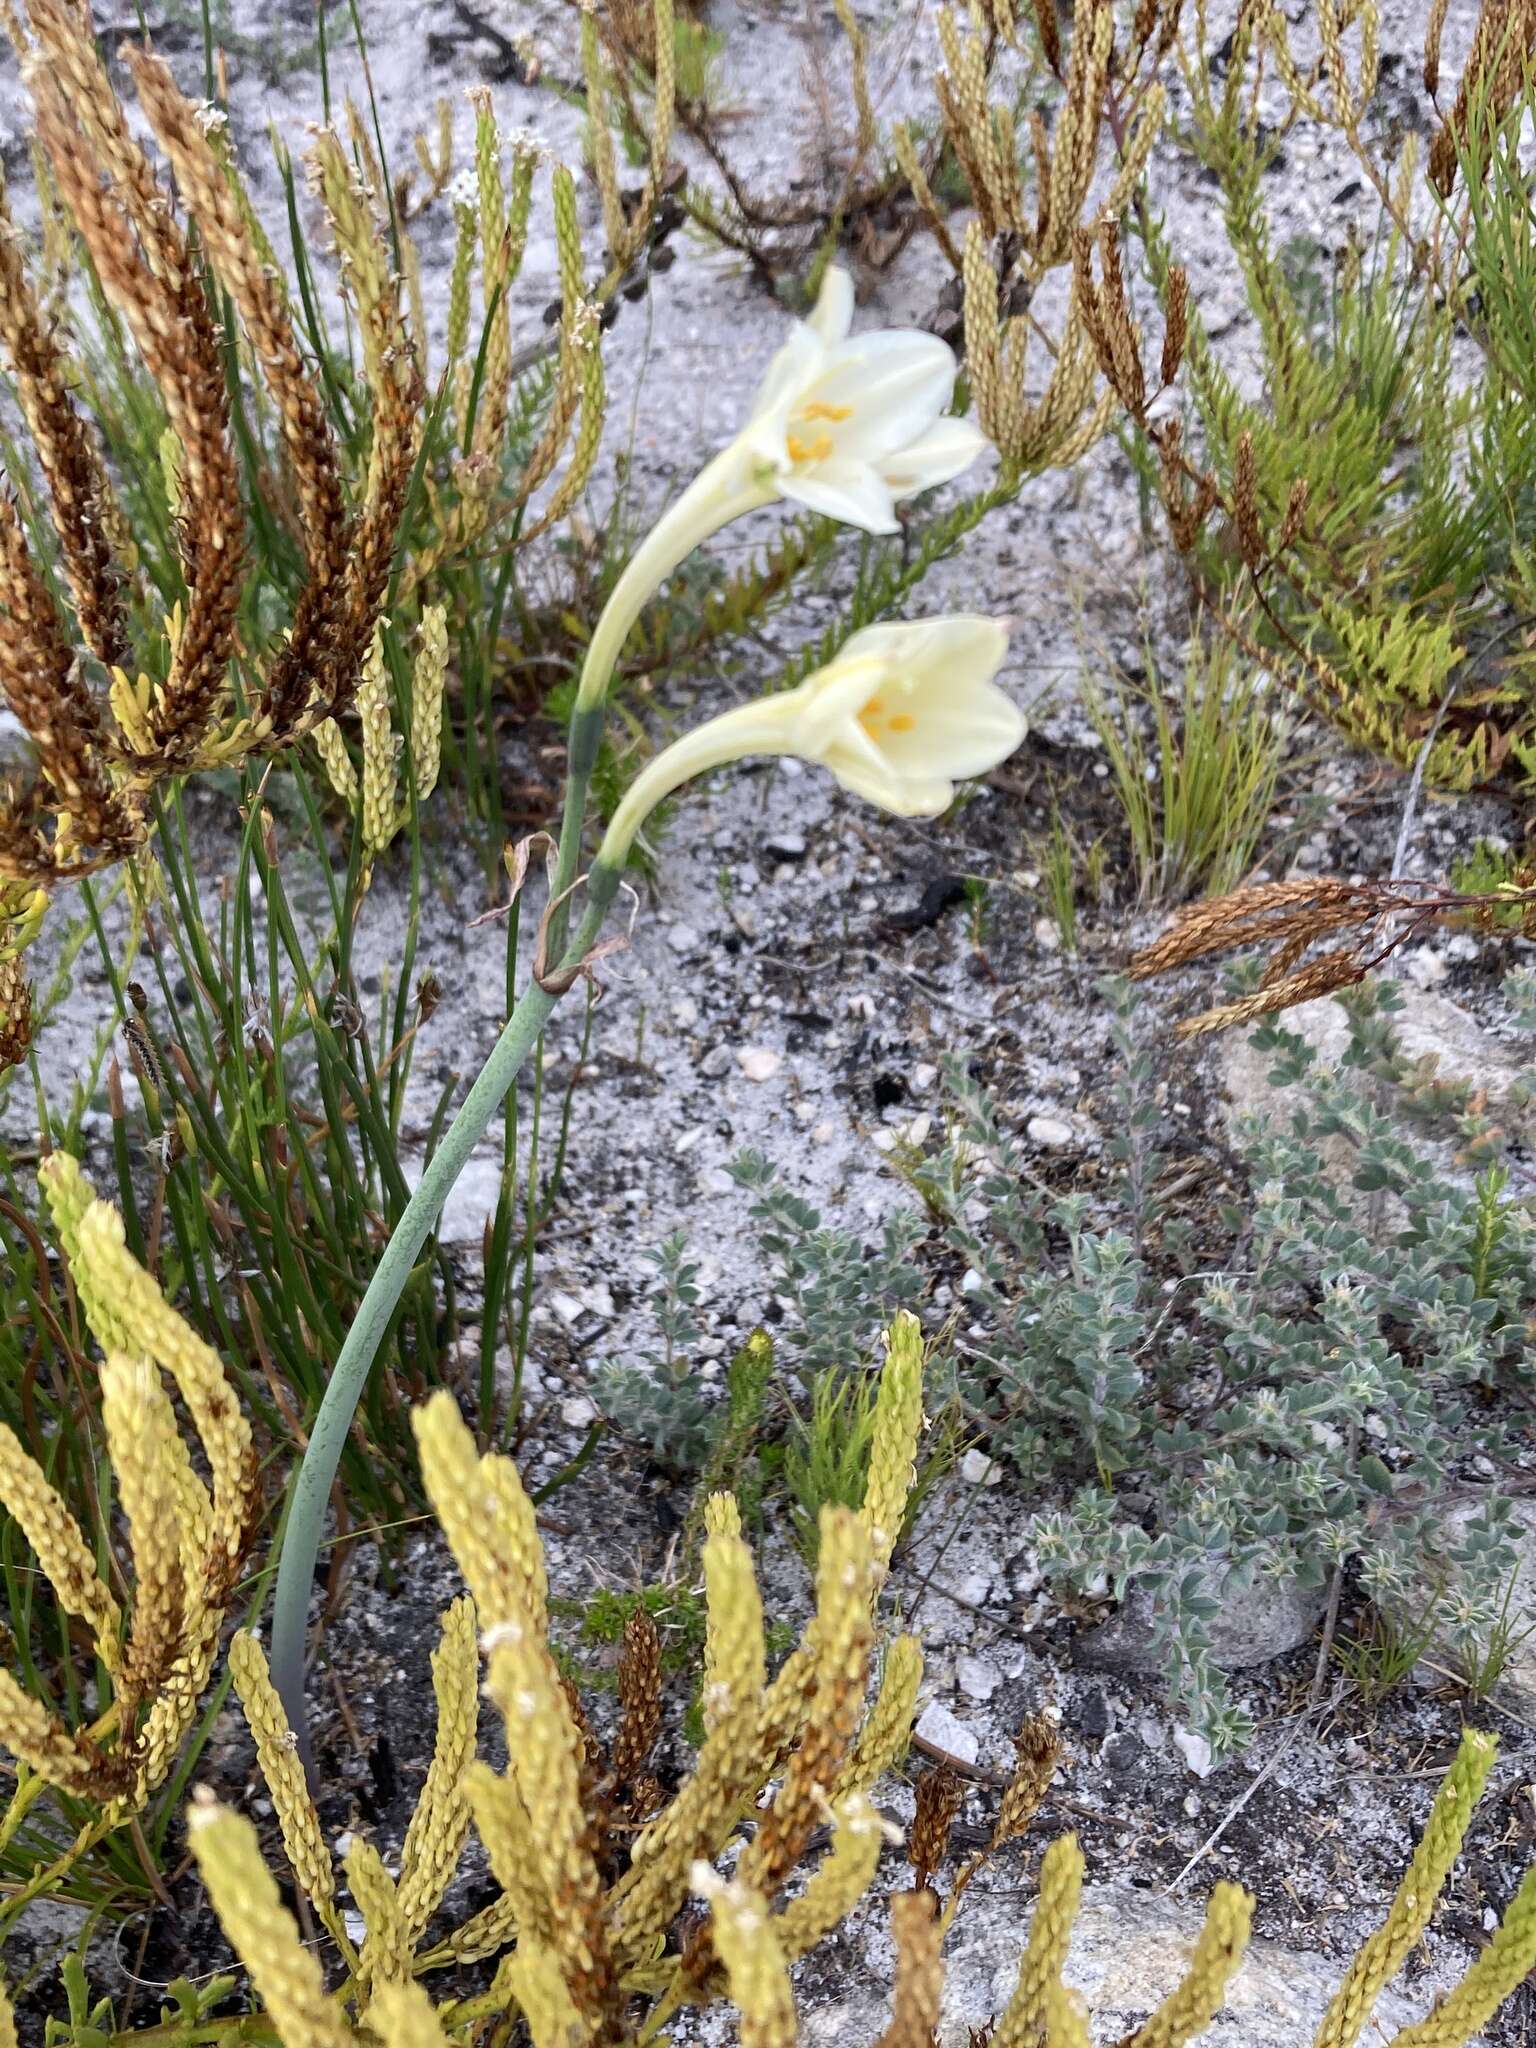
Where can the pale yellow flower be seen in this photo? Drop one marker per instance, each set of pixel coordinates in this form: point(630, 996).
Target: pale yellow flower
point(844, 424)
point(903, 714)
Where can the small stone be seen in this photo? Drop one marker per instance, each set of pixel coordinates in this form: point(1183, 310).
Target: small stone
point(823, 1134)
point(682, 938)
point(922, 1077)
point(937, 1725)
point(1195, 1750)
point(1426, 967)
point(758, 1063)
point(977, 1678)
point(685, 1011)
point(1048, 1130)
point(577, 1412)
point(566, 1307)
point(1047, 935)
point(787, 846)
point(977, 1469)
point(716, 1062)
point(1092, 1716)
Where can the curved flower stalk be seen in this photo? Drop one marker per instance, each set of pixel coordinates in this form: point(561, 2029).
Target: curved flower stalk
point(902, 714)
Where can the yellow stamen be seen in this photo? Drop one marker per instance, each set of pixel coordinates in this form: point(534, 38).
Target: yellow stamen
point(871, 715)
point(903, 722)
point(818, 409)
point(809, 451)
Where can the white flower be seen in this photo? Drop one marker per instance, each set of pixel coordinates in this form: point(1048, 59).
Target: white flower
point(907, 711)
point(844, 424)
point(847, 424)
point(903, 714)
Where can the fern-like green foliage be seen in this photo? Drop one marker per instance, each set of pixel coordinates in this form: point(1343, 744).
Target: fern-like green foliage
point(1398, 378)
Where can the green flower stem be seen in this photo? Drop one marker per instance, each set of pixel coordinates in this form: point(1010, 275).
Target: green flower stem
point(349, 1376)
point(724, 490)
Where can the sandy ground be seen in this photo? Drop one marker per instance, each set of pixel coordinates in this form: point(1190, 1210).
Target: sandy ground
point(776, 926)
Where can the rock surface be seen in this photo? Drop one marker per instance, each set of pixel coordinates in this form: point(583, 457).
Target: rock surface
point(1254, 1626)
point(1129, 1950)
point(1429, 1026)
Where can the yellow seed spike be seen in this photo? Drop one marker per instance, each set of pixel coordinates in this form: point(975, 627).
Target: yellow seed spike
point(1066, 2019)
point(69, 1195)
point(55, 1540)
point(1191, 2006)
point(1026, 2020)
point(845, 1573)
point(866, 134)
point(754, 1962)
point(336, 761)
point(600, 140)
point(919, 1987)
point(456, 336)
point(488, 1933)
point(585, 342)
point(665, 103)
point(839, 1881)
point(380, 750)
point(261, 1929)
point(402, 2017)
point(1382, 1956)
point(435, 1837)
point(1497, 1973)
point(501, 1820)
point(485, 1514)
point(722, 1516)
point(533, 1978)
point(898, 1424)
point(735, 1660)
point(38, 1738)
point(887, 1731)
point(546, 1754)
point(573, 291)
point(151, 1328)
point(1138, 147)
point(734, 1762)
point(386, 1953)
point(427, 682)
point(141, 1430)
point(277, 1752)
point(175, 1706)
point(496, 276)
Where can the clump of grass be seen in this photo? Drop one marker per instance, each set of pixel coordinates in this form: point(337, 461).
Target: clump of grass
point(1195, 767)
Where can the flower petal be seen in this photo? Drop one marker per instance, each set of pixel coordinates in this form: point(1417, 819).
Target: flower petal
point(850, 491)
point(956, 647)
point(796, 363)
point(832, 316)
point(949, 447)
point(891, 386)
point(903, 796)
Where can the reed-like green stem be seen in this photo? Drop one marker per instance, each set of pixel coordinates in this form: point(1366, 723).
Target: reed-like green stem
point(349, 1376)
